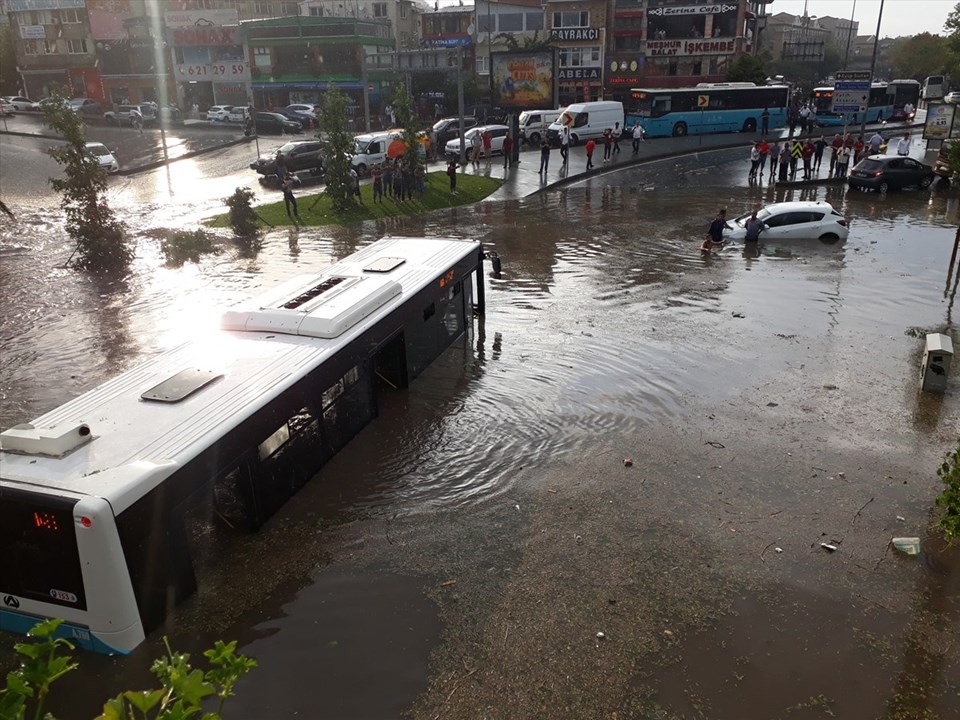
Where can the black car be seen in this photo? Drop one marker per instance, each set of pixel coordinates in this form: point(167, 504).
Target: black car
point(889, 172)
point(447, 129)
point(300, 155)
point(267, 122)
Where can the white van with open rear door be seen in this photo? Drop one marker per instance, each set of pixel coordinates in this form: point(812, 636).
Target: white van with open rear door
point(534, 124)
point(586, 120)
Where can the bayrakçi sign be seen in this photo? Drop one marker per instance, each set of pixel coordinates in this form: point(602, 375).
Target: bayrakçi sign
point(693, 46)
point(524, 79)
point(576, 34)
point(706, 9)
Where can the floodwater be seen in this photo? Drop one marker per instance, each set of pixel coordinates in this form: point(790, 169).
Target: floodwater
point(605, 324)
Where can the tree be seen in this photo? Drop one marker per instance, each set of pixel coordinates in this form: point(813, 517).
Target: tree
point(747, 68)
point(101, 246)
point(952, 28)
point(338, 147)
point(410, 121)
point(9, 79)
point(919, 56)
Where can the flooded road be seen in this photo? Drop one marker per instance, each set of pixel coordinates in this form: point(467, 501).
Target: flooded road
point(460, 556)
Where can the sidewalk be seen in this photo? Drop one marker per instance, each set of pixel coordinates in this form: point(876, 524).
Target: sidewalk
point(523, 178)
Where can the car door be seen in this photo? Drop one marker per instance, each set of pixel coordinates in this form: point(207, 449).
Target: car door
point(776, 226)
point(798, 225)
point(913, 172)
point(496, 139)
point(894, 173)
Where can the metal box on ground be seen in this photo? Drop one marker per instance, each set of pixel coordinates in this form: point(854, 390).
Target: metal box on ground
point(935, 368)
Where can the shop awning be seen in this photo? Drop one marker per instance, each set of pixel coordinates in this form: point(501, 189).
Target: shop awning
point(319, 86)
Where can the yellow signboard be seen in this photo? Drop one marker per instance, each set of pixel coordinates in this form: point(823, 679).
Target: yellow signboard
point(703, 101)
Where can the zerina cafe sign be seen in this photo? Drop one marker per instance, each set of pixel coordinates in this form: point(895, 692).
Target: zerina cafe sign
point(656, 48)
point(706, 9)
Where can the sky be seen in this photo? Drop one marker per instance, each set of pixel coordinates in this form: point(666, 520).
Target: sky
point(900, 17)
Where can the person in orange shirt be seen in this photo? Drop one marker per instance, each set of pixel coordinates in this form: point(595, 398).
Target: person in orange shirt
point(590, 147)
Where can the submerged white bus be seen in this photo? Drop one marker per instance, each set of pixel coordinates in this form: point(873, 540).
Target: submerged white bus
point(93, 493)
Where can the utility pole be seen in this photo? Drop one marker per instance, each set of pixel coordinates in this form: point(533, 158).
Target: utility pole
point(846, 54)
point(463, 143)
point(490, 51)
point(873, 65)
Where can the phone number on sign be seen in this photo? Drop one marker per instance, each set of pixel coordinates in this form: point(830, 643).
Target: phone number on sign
point(216, 70)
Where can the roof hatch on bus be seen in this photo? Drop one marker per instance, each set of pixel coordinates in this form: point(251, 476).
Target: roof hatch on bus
point(55, 441)
point(322, 306)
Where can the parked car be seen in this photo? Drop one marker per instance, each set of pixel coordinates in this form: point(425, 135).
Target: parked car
point(22, 103)
point(301, 155)
point(219, 113)
point(889, 172)
point(105, 156)
point(6, 108)
point(267, 122)
point(124, 115)
point(795, 221)
point(238, 114)
point(953, 97)
point(304, 113)
point(448, 129)
point(84, 106)
point(497, 134)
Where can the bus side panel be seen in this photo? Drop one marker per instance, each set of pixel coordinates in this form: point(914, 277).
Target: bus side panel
point(442, 322)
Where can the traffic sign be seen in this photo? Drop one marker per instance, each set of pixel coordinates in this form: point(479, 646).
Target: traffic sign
point(851, 92)
point(703, 101)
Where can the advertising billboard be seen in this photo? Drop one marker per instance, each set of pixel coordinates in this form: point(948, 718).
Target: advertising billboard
point(524, 79)
point(940, 120)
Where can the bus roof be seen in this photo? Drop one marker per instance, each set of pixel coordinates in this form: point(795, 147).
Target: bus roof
point(121, 439)
point(710, 86)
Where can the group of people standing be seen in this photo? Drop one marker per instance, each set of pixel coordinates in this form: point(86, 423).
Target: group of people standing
point(397, 180)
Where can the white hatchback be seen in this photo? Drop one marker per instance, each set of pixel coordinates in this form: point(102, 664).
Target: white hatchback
point(103, 155)
point(795, 221)
point(220, 113)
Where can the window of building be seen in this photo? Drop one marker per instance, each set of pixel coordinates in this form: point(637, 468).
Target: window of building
point(76, 47)
point(629, 23)
point(40, 47)
point(580, 57)
point(30, 48)
point(534, 20)
point(316, 11)
point(71, 16)
point(263, 7)
point(380, 10)
point(698, 68)
point(510, 22)
point(207, 5)
point(631, 42)
point(484, 22)
point(403, 11)
point(41, 17)
point(289, 9)
point(571, 19)
point(261, 57)
point(483, 66)
point(404, 36)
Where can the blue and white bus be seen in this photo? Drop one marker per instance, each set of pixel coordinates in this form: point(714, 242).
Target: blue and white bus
point(707, 108)
point(887, 102)
point(98, 496)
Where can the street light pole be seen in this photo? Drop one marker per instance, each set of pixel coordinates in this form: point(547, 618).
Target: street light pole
point(846, 54)
point(873, 65)
point(490, 51)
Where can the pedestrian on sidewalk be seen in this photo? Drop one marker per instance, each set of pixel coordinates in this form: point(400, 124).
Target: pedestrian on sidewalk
point(507, 150)
point(452, 174)
point(388, 178)
point(398, 181)
point(544, 156)
point(835, 146)
point(289, 201)
point(796, 152)
point(565, 144)
point(377, 175)
point(765, 121)
point(764, 147)
point(617, 134)
point(355, 185)
point(808, 151)
point(637, 137)
point(590, 147)
point(875, 141)
point(476, 146)
point(784, 165)
point(903, 145)
point(487, 139)
point(858, 146)
point(774, 158)
point(818, 147)
point(843, 160)
point(607, 144)
point(754, 160)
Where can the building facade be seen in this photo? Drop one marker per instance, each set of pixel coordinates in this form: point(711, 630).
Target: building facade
point(578, 33)
point(796, 38)
point(403, 15)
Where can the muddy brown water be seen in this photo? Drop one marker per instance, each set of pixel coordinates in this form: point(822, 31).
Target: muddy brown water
point(422, 570)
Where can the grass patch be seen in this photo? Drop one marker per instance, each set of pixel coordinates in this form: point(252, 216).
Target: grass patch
point(181, 246)
point(470, 189)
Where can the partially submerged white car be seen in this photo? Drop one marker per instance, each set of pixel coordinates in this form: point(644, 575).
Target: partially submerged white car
point(104, 156)
point(804, 220)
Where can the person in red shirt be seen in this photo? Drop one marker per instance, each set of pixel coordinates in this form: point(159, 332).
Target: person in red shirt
point(507, 150)
point(858, 149)
point(487, 140)
point(607, 144)
point(764, 149)
point(590, 147)
point(835, 146)
point(808, 150)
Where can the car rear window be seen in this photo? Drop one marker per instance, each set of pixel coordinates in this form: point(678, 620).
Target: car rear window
point(869, 165)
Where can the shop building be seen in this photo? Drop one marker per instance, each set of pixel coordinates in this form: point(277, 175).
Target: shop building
point(403, 15)
point(506, 27)
point(54, 46)
point(578, 35)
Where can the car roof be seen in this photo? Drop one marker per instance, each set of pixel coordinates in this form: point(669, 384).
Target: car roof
point(798, 205)
point(94, 144)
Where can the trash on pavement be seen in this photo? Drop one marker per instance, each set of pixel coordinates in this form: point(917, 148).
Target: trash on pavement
point(908, 545)
point(828, 547)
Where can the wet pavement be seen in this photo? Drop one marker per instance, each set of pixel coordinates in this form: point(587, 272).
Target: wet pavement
point(459, 558)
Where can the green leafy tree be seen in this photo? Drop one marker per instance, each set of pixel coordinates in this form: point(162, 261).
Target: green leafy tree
point(952, 29)
point(747, 68)
point(949, 499)
point(410, 122)
point(338, 147)
point(919, 56)
point(91, 223)
point(182, 693)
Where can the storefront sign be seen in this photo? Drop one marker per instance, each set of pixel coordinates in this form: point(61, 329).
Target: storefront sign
point(201, 18)
point(448, 41)
point(579, 74)
point(524, 79)
point(940, 119)
point(21, 5)
point(691, 47)
point(215, 72)
point(707, 9)
point(575, 34)
point(206, 36)
point(630, 80)
point(33, 32)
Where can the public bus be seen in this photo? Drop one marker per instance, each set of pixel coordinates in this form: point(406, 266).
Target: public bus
point(94, 495)
point(886, 102)
point(935, 87)
point(706, 108)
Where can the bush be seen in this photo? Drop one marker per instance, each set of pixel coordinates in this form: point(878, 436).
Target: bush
point(182, 246)
point(949, 499)
point(243, 218)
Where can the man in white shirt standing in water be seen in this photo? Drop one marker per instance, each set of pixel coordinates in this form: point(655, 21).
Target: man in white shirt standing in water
point(903, 146)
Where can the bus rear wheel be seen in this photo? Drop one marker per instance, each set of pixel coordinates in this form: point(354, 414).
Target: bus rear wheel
point(749, 125)
point(680, 130)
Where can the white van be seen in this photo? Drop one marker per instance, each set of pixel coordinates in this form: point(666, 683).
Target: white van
point(534, 124)
point(586, 120)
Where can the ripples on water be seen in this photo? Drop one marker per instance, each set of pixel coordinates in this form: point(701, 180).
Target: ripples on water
point(604, 318)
